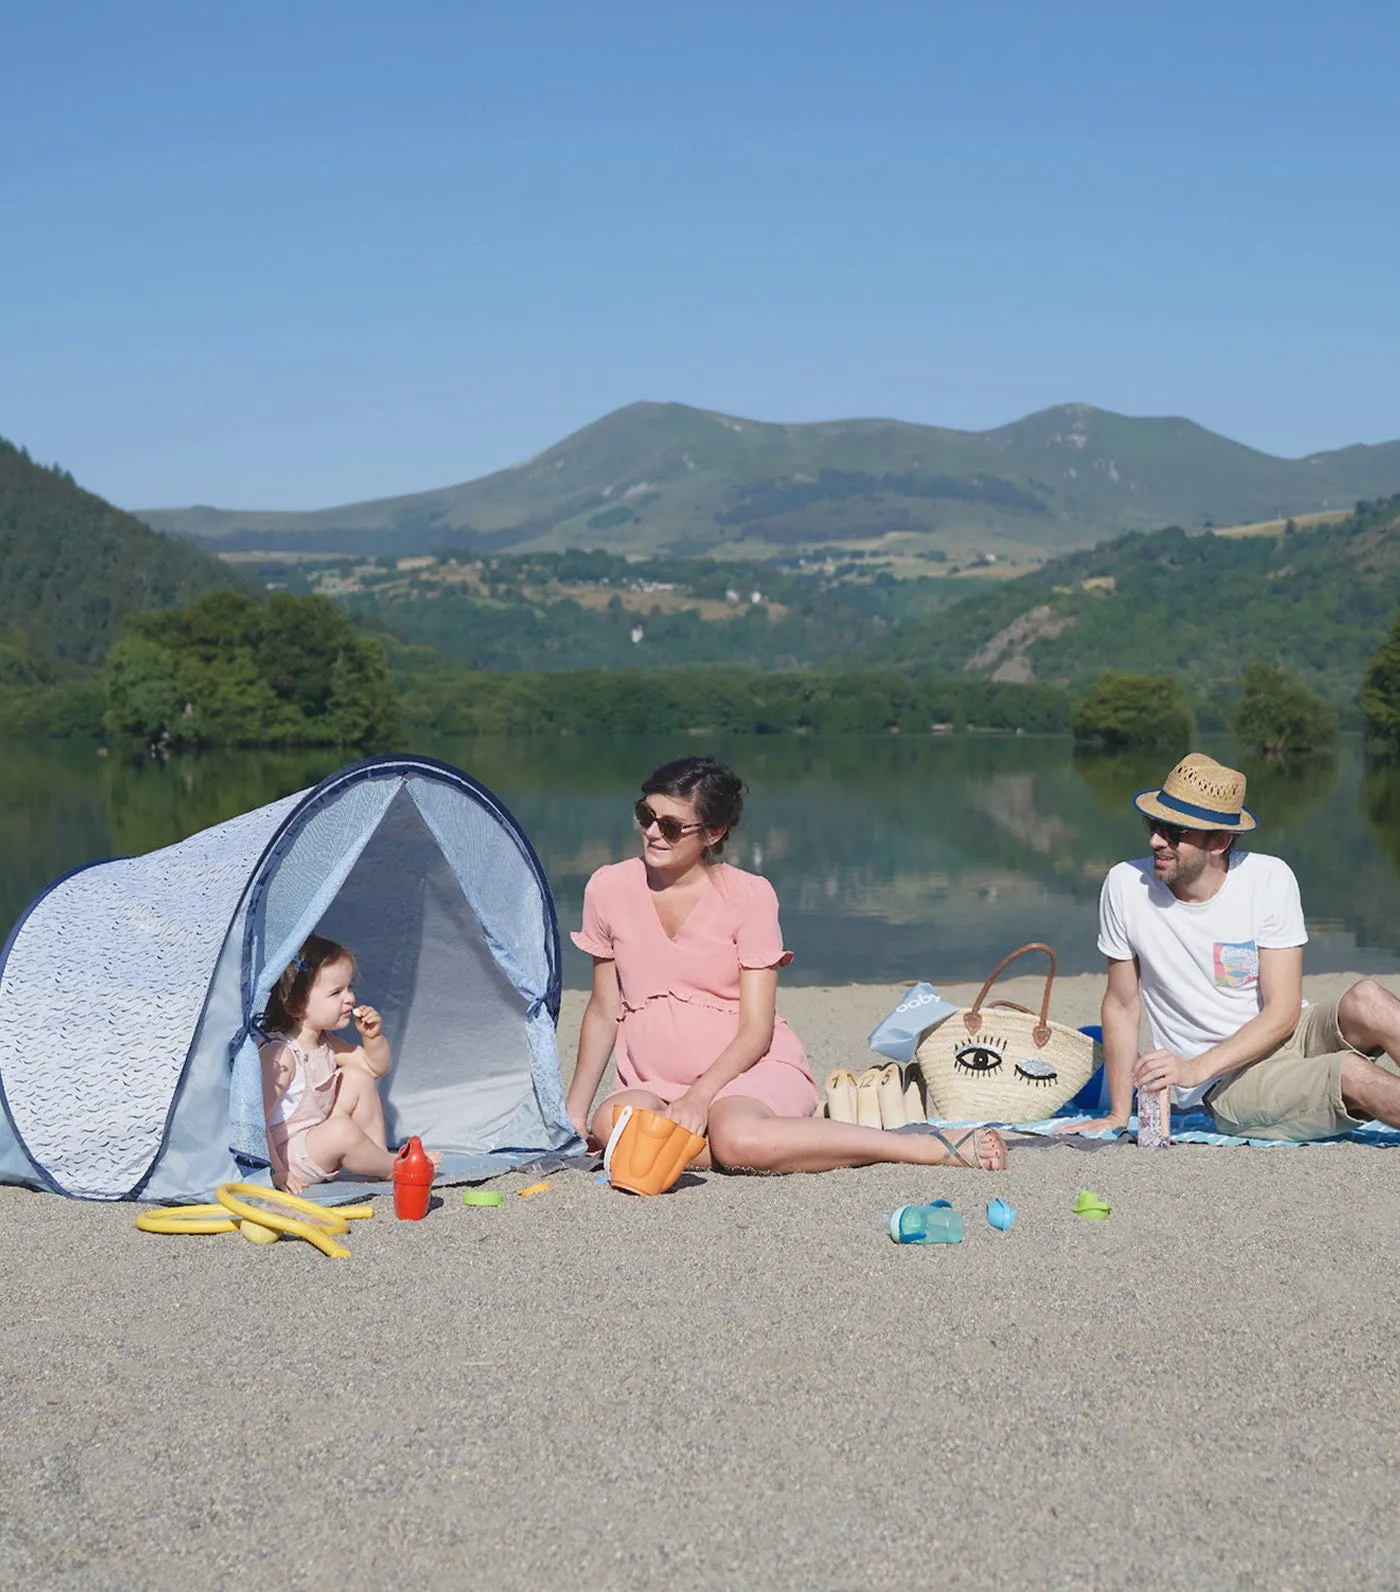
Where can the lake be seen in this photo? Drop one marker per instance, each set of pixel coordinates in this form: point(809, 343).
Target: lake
point(894, 859)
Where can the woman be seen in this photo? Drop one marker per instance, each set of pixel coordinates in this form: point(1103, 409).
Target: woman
point(686, 952)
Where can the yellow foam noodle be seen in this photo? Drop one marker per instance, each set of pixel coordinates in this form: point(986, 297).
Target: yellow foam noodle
point(186, 1219)
point(355, 1213)
point(237, 1199)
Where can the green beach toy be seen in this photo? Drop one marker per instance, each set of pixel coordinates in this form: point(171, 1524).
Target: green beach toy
point(1091, 1205)
point(481, 1196)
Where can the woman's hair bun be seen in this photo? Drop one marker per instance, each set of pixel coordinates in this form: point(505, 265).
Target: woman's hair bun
point(712, 786)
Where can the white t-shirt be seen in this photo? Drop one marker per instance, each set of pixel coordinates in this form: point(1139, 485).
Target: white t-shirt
point(1198, 961)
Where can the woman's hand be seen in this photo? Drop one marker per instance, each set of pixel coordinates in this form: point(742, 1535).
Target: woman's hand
point(369, 1022)
point(691, 1112)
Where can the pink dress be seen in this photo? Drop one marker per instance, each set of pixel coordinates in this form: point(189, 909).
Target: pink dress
point(680, 997)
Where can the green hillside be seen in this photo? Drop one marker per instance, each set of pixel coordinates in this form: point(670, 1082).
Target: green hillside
point(72, 567)
point(1319, 601)
point(655, 477)
point(598, 610)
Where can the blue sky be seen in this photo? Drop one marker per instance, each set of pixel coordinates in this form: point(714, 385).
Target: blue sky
point(288, 255)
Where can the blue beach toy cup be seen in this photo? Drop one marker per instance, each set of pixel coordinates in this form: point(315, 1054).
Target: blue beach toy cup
point(937, 1223)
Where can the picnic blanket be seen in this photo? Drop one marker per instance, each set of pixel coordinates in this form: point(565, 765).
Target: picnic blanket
point(923, 1007)
point(1198, 1127)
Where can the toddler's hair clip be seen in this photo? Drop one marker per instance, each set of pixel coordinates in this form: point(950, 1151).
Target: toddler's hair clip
point(301, 964)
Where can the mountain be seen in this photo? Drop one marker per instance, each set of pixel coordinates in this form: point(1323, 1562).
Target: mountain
point(663, 477)
point(72, 566)
point(1200, 607)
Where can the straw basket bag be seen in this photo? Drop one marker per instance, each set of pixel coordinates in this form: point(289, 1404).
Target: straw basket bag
point(999, 1062)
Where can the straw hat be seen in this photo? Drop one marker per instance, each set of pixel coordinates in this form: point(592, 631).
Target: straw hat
point(1199, 793)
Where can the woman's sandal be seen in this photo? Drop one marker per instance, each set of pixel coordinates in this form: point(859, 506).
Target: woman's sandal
point(982, 1154)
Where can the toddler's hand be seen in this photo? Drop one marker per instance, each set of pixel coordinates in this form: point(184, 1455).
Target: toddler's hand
point(369, 1022)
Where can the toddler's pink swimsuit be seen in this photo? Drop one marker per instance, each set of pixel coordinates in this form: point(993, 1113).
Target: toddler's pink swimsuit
point(680, 997)
point(306, 1104)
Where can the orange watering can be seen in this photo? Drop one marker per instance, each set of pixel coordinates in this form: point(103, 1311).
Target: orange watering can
point(647, 1152)
point(413, 1181)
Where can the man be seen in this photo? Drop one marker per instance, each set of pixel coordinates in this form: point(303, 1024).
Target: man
point(1210, 941)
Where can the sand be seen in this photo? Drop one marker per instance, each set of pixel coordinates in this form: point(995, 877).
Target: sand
point(743, 1384)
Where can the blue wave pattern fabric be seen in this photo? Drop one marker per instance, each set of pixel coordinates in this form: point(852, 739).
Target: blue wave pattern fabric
point(131, 991)
point(101, 992)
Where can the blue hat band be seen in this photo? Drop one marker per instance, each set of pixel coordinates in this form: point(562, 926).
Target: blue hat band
point(1190, 810)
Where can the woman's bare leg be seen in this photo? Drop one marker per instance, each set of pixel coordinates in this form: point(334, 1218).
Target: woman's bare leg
point(748, 1136)
point(601, 1125)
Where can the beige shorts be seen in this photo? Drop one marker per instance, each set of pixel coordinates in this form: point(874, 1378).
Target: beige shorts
point(1295, 1092)
point(298, 1160)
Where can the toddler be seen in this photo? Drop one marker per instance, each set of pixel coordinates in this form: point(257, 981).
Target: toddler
point(320, 1094)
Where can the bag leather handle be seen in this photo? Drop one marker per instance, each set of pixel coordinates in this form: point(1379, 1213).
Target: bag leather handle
point(972, 1018)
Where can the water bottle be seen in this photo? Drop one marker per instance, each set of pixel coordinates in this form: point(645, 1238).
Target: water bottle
point(937, 1223)
point(413, 1182)
point(1154, 1119)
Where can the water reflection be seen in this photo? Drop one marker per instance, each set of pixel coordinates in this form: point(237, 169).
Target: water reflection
point(893, 858)
point(62, 805)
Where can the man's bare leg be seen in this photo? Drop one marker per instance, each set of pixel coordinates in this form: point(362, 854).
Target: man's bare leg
point(1369, 1018)
point(1370, 1091)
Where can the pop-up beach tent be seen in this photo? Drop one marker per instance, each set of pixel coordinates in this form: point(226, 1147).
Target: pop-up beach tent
point(130, 990)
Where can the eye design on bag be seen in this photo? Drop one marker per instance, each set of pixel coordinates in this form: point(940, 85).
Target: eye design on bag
point(983, 1054)
point(1036, 1071)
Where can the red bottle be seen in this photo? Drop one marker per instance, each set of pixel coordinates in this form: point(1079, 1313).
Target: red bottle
point(413, 1182)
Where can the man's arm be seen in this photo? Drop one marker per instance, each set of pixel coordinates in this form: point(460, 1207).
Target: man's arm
point(1120, 1015)
point(1281, 988)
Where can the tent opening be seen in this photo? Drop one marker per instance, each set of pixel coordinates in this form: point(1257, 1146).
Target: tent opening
point(453, 1019)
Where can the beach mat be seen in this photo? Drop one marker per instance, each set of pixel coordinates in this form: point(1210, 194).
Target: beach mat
point(1198, 1127)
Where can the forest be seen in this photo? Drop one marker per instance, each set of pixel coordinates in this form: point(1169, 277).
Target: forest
point(108, 628)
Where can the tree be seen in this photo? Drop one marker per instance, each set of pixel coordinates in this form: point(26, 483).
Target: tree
point(142, 696)
point(229, 671)
point(1380, 692)
point(1278, 713)
point(1124, 710)
point(72, 567)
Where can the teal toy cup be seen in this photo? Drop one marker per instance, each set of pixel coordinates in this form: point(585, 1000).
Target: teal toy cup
point(938, 1223)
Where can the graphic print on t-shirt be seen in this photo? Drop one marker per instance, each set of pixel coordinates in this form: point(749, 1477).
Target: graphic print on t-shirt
point(1236, 964)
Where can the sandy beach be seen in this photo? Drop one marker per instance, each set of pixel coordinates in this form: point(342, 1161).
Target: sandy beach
point(743, 1384)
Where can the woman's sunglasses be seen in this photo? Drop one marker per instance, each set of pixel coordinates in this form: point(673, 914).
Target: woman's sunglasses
point(671, 828)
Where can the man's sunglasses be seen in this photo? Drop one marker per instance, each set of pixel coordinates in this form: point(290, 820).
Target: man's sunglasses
point(671, 828)
point(1171, 833)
